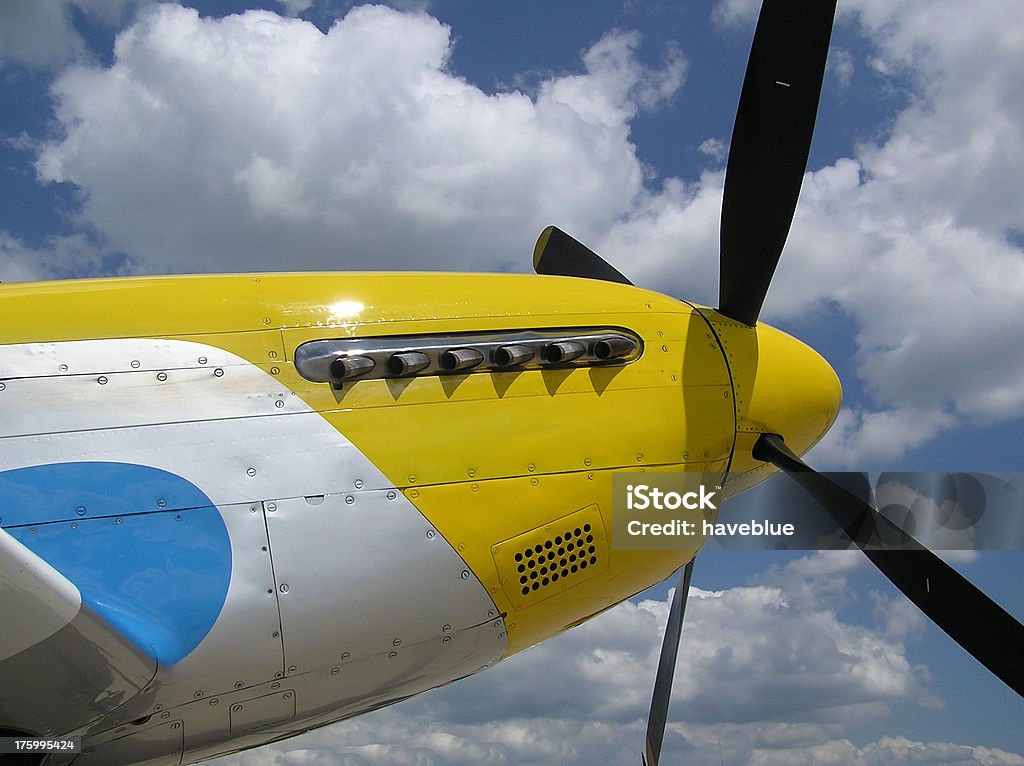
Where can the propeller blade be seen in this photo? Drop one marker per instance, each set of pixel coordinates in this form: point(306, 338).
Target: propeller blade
point(558, 254)
point(770, 143)
point(667, 668)
point(968, 616)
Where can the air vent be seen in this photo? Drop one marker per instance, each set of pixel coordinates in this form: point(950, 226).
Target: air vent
point(552, 558)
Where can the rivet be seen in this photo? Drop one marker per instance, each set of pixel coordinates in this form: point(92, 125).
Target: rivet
point(287, 695)
point(272, 355)
point(706, 453)
point(275, 370)
point(167, 714)
point(73, 526)
point(284, 587)
point(102, 380)
point(202, 360)
point(80, 510)
point(675, 378)
point(534, 481)
point(430, 534)
point(412, 479)
point(471, 473)
point(198, 695)
point(345, 656)
point(252, 509)
point(501, 635)
point(276, 633)
point(63, 368)
point(161, 503)
point(219, 372)
point(531, 467)
point(349, 499)
point(392, 495)
point(725, 394)
point(640, 458)
point(462, 546)
point(664, 348)
point(161, 376)
point(266, 320)
point(414, 493)
point(590, 476)
point(263, 548)
point(358, 483)
point(392, 655)
point(335, 671)
point(176, 725)
point(686, 456)
point(236, 708)
point(397, 642)
point(446, 640)
point(215, 701)
point(251, 471)
point(239, 684)
point(476, 487)
point(271, 592)
point(177, 517)
point(271, 507)
point(291, 668)
point(490, 612)
point(135, 364)
point(446, 628)
point(3, 386)
point(465, 574)
point(587, 461)
point(32, 530)
point(279, 404)
point(278, 674)
point(119, 521)
point(650, 305)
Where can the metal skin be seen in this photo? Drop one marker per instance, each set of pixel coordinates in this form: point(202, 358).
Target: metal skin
point(255, 554)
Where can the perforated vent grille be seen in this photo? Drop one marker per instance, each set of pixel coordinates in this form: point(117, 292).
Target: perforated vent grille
point(552, 558)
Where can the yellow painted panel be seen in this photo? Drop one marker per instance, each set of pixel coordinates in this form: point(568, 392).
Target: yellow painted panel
point(477, 516)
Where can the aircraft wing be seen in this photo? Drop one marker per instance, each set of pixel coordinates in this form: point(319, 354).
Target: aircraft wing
point(61, 664)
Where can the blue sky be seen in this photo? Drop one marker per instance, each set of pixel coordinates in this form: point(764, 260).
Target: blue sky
point(445, 135)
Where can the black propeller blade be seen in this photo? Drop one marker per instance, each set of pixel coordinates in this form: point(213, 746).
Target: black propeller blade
point(558, 254)
point(968, 616)
point(667, 668)
point(770, 143)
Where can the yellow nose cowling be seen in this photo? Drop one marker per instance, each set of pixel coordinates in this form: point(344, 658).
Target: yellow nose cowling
point(780, 386)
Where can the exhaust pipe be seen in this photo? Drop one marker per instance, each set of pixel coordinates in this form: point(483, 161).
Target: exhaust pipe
point(512, 356)
point(563, 351)
point(614, 347)
point(455, 359)
point(349, 367)
point(407, 363)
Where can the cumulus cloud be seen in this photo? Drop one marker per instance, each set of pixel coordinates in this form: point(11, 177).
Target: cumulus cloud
point(65, 256)
point(258, 142)
point(43, 34)
point(767, 673)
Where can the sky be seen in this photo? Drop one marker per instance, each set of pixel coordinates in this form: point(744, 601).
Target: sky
point(145, 138)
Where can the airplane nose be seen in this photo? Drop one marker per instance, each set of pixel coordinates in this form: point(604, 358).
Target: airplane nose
point(790, 390)
point(781, 386)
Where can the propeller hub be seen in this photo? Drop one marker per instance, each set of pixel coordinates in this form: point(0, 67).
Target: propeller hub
point(780, 385)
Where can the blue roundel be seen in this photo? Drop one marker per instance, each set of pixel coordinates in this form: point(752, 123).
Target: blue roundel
point(146, 548)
